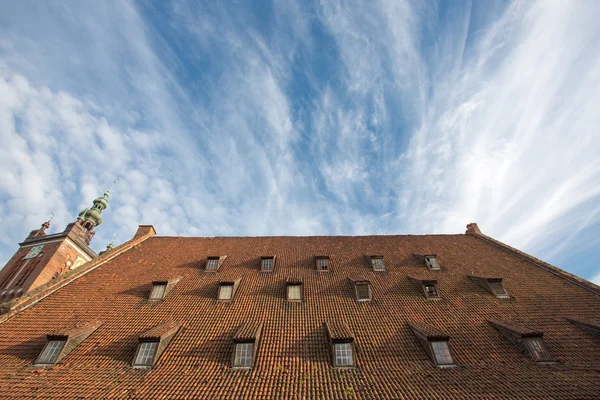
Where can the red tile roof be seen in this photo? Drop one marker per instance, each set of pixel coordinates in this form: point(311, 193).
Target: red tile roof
point(519, 329)
point(428, 331)
point(294, 358)
point(161, 331)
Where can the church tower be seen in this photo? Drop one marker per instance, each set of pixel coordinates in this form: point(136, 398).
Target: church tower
point(42, 257)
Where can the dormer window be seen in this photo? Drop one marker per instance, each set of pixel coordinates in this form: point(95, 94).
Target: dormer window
point(492, 285)
point(376, 263)
point(51, 351)
point(243, 355)
point(529, 341)
point(160, 289)
point(62, 343)
point(145, 354)
point(213, 263)
point(322, 263)
point(430, 291)
point(343, 355)
point(362, 289)
point(246, 342)
point(227, 290)
point(294, 289)
point(426, 286)
point(153, 343)
point(267, 263)
point(435, 343)
point(431, 262)
point(342, 344)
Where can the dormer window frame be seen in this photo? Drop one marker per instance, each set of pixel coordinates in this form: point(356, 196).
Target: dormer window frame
point(214, 265)
point(493, 285)
point(167, 285)
point(60, 344)
point(319, 263)
point(528, 341)
point(355, 284)
point(265, 261)
point(144, 349)
point(431, 262)
point(51, 351)
point(376, 262)
point(436, 344)
point(342, 345)
point(294, 282)
point(233, 284)
point(245, 336)
point(428, 287)
point(153, 343)
point(158, 291)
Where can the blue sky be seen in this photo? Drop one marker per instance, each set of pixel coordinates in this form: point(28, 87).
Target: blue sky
point(305, 118)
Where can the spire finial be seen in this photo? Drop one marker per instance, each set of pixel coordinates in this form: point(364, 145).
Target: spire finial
point(111, 245)
point(107, 193)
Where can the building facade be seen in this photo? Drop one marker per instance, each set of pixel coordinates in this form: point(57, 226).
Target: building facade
point(366, 317)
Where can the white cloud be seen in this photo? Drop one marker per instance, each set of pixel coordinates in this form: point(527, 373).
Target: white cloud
point(413, 127)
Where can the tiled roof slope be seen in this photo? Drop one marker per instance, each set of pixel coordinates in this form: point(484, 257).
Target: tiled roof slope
point(294, 356)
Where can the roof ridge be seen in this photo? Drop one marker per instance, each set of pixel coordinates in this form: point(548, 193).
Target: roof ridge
point(17, 305)
point(473, 230)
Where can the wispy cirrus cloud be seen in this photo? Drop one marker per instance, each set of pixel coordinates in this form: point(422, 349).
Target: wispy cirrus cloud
point(310, 118)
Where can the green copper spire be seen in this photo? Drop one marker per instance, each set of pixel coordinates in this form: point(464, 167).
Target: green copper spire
point(92, 217)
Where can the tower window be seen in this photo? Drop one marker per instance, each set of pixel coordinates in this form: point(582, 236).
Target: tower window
point(267, 263)
point(322, 263)
point(51, 351)
point(145, 354)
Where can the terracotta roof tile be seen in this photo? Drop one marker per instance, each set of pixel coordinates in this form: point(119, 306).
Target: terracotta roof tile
point(160, 331)
point(517, 328)
point(428, 331)
point(293, 360)
point(248, 331)
point(338, 330)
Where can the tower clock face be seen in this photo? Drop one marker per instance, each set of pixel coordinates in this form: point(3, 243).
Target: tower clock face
point(34, 251)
